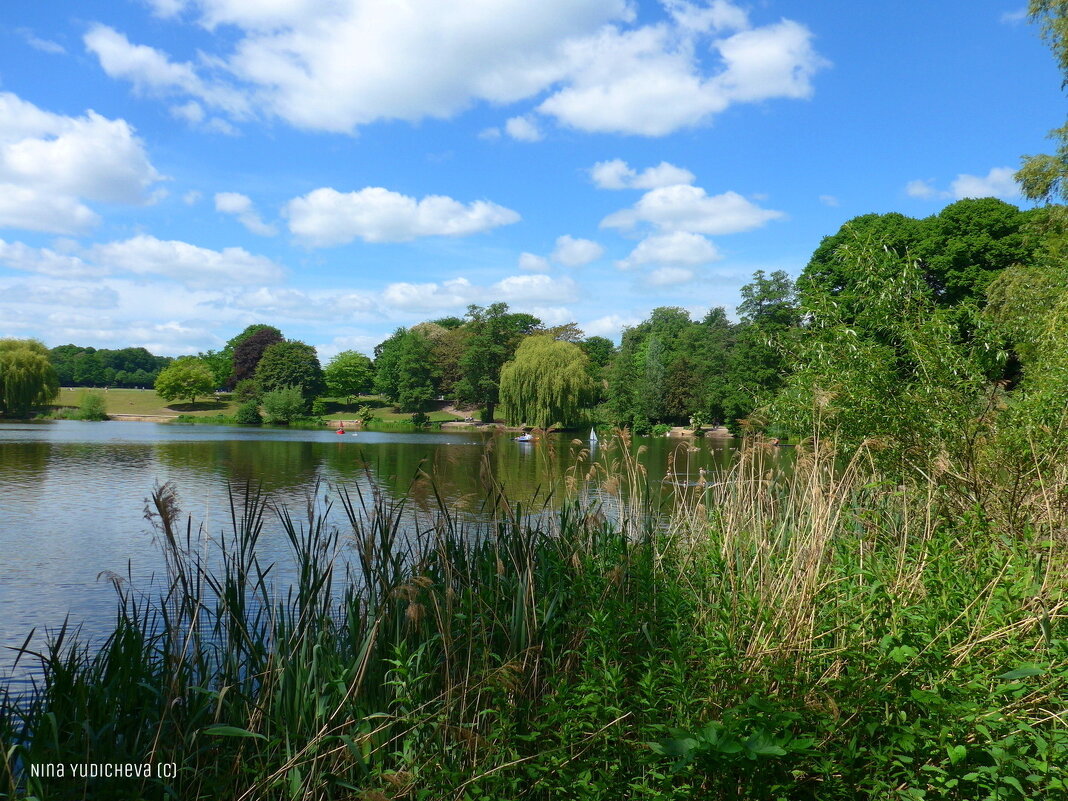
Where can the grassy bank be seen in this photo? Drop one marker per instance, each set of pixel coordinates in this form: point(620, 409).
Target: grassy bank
point(822, 635)
point(145, 403)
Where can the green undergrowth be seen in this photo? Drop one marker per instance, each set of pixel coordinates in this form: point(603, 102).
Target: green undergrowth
point(820, 636)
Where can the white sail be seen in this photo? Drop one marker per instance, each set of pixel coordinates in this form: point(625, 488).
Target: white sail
point(593, 436)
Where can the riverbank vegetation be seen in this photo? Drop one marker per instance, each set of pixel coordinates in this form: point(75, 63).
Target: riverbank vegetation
point(823, 633)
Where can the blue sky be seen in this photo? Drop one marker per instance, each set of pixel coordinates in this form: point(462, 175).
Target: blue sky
point(173, 170)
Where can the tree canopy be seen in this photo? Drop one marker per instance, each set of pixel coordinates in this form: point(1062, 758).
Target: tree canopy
point(187, 377)
point(547, 382)
point(27, 377)
point(290, 363)
point(349, 374)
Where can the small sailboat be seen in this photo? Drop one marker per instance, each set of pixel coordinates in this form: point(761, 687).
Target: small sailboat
point(593, 436)
point(525, 438)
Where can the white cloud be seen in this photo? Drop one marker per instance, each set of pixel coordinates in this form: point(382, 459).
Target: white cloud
point(690, 208)
point(191, 198)
point(490, 134)
point(923, 189)
point(455, 293)
point(1014, 17)
point(610, 325)
point(326, 217)
point(523, 128)
point(241, 207)
point(152, 72)
point(44, 261)
point(86, 297)
point(536, 264)
point(669, 276)
point(999, 182)
point(535, 289)
point(325, 65)
point(617, 174)
point(51, 164)
point(190, 264)
point(829, 200)
point(44, 45)
point(573, 252)
point(675, 249)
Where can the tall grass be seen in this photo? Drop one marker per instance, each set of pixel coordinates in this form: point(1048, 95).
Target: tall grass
point(767, 633)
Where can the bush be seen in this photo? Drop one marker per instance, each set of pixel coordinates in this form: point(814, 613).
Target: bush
point(248, 413)
point(246, 390)
point(283, 405)
point(92, 407)
point(318, 408)
point(420, 420)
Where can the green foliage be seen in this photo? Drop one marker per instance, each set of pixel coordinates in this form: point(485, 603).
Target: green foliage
point(246, 390)
point(92, 407)
point(1044, 177)
point(248, 413)
point(494, 333)
point(349, 374)
point(284, 405)
point(187, 377)
point(547, 383)
point(893, 370)
point(404, 370)
point(291, 364)
point(27, 378)
point(89, 367)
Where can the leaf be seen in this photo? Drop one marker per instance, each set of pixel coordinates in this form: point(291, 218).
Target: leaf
point(956, 753)
point(1022, 672)
point(232, 731)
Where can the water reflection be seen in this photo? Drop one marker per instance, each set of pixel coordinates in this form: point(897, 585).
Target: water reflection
point(72, 494)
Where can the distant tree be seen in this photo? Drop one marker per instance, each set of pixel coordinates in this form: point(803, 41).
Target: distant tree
point(548, 382)
point(291, 364)
point(349, 374)
point(221, 365)
point(248, 349)
point(404, 370)
point(187, 377)
point(494, 336)
point(27, 377)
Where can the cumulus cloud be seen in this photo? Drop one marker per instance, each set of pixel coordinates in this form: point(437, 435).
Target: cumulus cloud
point(45, 261)
point(675, 249)
point(669, 276)
point(998, 182)
point(525, 129)
point(89, 297)
point(51, 164)
point(458, 293)
point(535, 289)
point(152, 72)
point(573, 252)
point(240, 206)
point(617, 174)
point(190, 264)
point(690, 208)
point(324, 65)
point(532, 263)
point(610, 325)
point(326, 217)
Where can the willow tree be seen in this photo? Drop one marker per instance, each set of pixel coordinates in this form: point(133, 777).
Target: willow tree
point(27, 377)
point(547, 382)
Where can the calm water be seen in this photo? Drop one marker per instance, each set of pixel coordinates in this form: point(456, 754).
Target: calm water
point(73, 494)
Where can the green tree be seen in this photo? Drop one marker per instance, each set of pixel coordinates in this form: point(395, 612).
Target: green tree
point(495, 334)
point(599, 350)
point(291, 364)
point(349, 374)
point(187, 377)
point(404, 370)
point(27, 377)
point(548, 382)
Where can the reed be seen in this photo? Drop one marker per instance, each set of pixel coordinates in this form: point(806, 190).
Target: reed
point(816, 632)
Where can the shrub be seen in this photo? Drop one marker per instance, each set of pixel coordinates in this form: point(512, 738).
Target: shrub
point(283, 405)
point(318, 408)
point(248, 413)
point(92, 407)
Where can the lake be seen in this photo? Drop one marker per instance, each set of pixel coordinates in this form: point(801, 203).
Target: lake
point(73, 494)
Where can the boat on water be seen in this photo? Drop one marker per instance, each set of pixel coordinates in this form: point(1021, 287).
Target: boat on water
point(525, 438)
point(593, 436)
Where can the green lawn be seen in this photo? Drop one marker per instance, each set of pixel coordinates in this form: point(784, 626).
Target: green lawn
point(145, 402)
